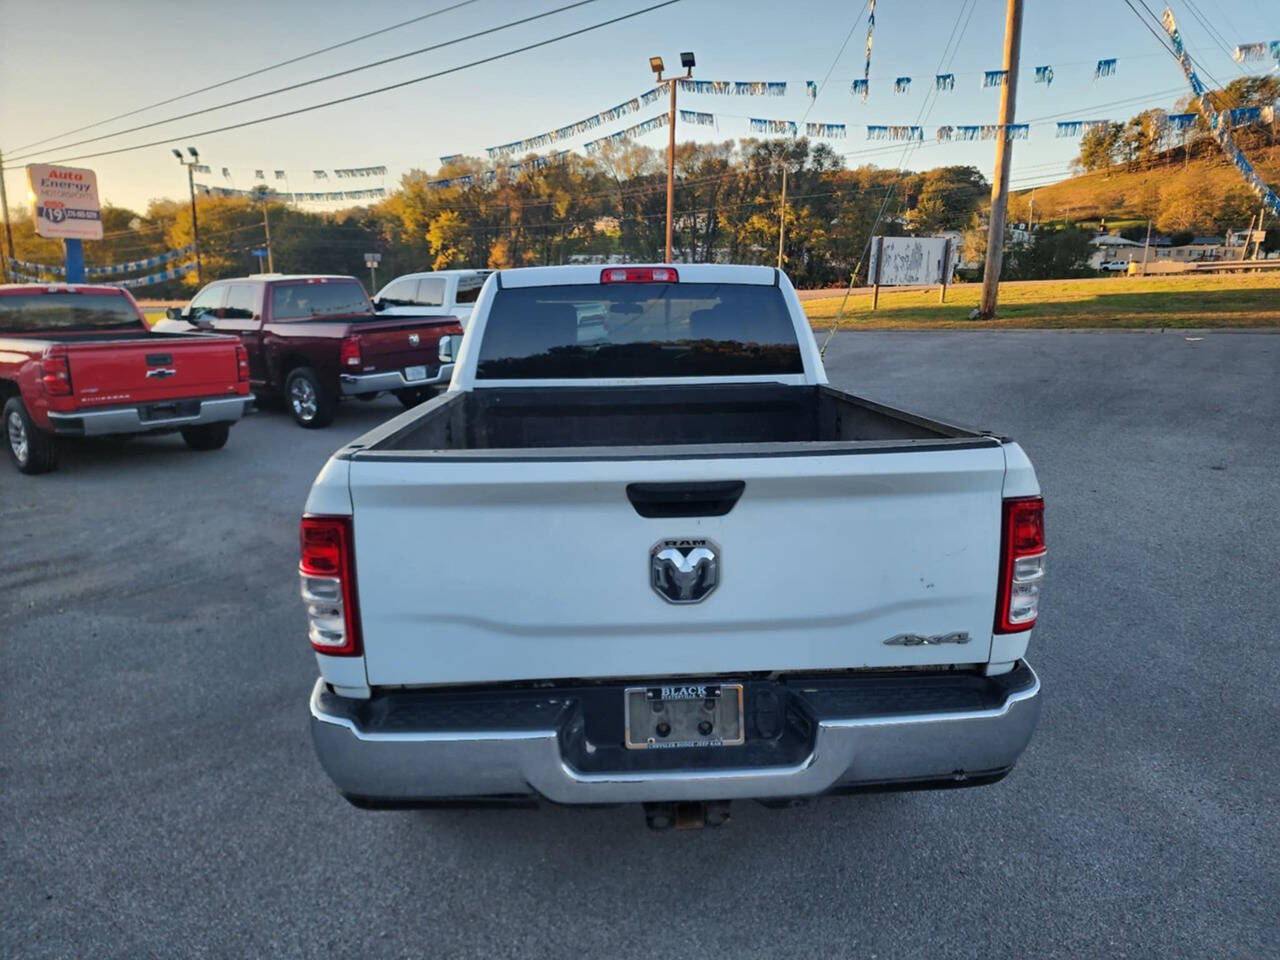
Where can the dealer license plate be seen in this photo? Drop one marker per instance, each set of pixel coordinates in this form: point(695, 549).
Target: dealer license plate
point(414, 374)
point(683, 715)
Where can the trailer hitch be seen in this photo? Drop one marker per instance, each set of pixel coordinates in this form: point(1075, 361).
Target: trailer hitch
point(686, 816)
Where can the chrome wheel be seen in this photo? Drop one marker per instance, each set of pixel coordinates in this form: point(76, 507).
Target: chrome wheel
point(17, 430)
point(302, 397)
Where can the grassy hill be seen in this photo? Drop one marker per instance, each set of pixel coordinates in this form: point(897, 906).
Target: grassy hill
point(1121, 195)
point(1158, 302)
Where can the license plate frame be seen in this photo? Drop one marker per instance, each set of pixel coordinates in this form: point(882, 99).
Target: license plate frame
point(682, 706)
point(415, 374)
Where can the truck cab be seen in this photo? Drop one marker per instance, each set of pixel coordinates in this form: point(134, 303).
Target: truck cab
point(434, 292)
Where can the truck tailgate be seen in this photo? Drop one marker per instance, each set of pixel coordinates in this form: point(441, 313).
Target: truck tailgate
point(472, 572)
point(392, 344)
point(144, 371)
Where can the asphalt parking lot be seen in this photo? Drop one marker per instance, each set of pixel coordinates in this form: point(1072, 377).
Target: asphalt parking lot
point(160, 797)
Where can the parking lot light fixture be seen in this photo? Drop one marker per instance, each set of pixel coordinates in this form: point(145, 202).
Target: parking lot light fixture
point(655, 64)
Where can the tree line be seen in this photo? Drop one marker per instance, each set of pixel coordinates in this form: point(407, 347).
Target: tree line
point(609, 205)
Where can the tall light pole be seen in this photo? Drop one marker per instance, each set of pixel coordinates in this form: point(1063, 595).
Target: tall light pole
point(655, 64)
point(195, 223)
point(1004, 155)
point(262, 193)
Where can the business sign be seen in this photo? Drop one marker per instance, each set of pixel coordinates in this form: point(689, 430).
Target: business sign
point(64, 202)
point(909, 261)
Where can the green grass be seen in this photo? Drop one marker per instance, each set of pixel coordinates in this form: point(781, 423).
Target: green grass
point(1249, 300)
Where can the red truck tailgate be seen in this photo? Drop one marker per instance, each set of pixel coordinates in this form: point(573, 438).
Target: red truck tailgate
point(155, 368)
point(394, 344)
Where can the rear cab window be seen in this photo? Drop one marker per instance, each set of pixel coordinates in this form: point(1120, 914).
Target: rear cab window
point(320, 299)
point(469, 286)
point(31, 312)
point(638, 330)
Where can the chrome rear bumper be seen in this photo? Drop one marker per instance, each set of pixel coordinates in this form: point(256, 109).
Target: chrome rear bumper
point(438, 747)
point(136, 419)
point(354, 384)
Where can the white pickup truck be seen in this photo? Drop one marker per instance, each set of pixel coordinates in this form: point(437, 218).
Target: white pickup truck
point(435, 293)
point(676, 567)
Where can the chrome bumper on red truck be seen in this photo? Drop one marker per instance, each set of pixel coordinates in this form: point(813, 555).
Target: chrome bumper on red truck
point(807, 736)
point(145, 418)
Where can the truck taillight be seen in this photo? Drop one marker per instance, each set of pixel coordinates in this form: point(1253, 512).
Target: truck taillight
point(55, 374)
point(350, 353)
point(328, 579)
point(639, 275)
point(1022, 553)
point(242, 362)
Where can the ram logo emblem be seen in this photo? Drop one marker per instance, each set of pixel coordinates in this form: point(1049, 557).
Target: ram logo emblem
point(684, 571)
point(414, 339)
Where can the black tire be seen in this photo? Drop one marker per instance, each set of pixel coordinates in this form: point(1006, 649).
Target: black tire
point(308, 400)
point(31, 449)
point(211, 436)
point(412, 397)
point(367, 397)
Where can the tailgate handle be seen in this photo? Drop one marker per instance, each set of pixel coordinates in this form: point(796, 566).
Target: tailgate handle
point(159, 359)
point(707, 499)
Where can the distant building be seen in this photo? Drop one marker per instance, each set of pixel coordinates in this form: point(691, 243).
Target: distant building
point(1111, 248)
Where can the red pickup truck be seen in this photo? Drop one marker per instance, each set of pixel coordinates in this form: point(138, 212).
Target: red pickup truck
point(78, 360)
point(313, 340)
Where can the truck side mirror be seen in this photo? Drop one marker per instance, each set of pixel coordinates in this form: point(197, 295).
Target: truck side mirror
point(173, 313)
point(379, 306)
point(450, 344)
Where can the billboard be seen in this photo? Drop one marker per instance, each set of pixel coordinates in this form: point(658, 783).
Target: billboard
point(909, 261)
point(64, 202)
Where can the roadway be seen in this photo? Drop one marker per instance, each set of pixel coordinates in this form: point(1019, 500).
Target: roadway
point(160, 797)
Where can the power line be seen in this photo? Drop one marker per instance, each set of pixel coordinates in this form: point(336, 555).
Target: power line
point(246, 76)
point(384, 89)
point(306, 83)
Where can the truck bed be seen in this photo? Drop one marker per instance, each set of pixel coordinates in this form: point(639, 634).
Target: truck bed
point(757, 417)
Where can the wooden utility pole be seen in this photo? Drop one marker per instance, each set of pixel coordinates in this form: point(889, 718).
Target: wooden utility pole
point(782, 213)
point(8, 233)
point(875, 274)
point(671, 164)
point(1004, 154)
point(946, 270)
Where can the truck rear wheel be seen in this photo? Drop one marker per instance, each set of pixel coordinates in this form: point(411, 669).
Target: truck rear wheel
point(31, 449)
point(311, 405)
point(210, 436)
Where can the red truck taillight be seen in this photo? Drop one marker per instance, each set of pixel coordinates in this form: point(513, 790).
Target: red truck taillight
point(349, 356)
point(1021, 564)
point(55, 374)
point(242, 363)
point(328, 579)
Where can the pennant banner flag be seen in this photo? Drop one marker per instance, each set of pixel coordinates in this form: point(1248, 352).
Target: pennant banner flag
point(37, 268)
point(944, 134)
point(831, 131)
point(257, 175)
point(1070, 128)
point(1091, 125)
point(994, 78)
point(944, 81)
point(1105, 68)
point(1221, 131)
point(811, 88)
point(866, 67)
point(859, 88)
point(136, 265)
point(1018, 131)
point(1182, 121)
point(451, 158)
point(990, 131)
point(201, 168)
point(1275, 49)
point(1250, 51)
point(1044, 75)
point(575, 129)
point(701, 119)
point(327, 196)
point(902, 85)
point(161, 277)
point(319, 174)
point(357, 172)
point(895, 133)
point(966, 133)
point(1242, 115)
point(877, 132)
point(759, 125)
point(722, 87)
point(226, 172)
point(640, 128)
point(279, 174)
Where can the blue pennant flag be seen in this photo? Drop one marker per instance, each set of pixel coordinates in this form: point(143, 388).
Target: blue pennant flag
point(1182, 121)
point(994, 78)
point(1105, 68)
point(1018, 131)
point(902, 85)
point(1070, 128)
point(1044, 75)
point(944, 81)
point(859, 88)
point(811, 88)
point(1242, 115)
point(967, 133)
point(1249, 51)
